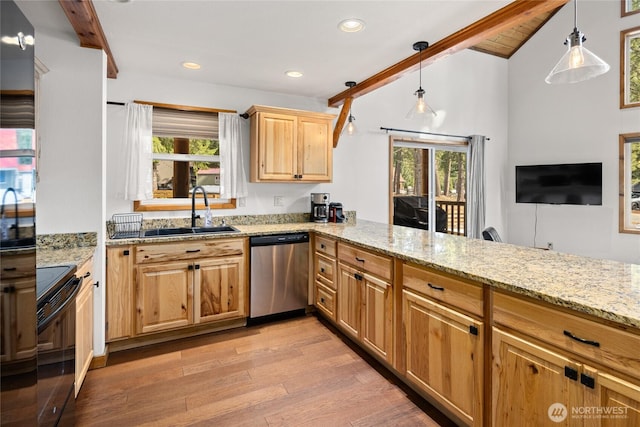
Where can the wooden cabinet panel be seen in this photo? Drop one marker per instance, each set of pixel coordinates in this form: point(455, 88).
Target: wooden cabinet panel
point(314, 153)
point(219, 290)
point(325, 270)
point(164, 296)
point(377, 320)
point(444, 355)
point(23, 317)
point(84, 329)
point(326, 300)
point(167, 252)
point(120, 293)
point(377, 264)
point(325, 246)
point(277, 148)
point(349, 294)
point(528, 379)
point(619, 399)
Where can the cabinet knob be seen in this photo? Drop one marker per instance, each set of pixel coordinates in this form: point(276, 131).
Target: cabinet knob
point(125, 252)
point(322, 300)
point(322, 269)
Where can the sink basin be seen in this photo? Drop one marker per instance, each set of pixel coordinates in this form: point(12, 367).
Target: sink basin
point(21, 243)
point(177, 231)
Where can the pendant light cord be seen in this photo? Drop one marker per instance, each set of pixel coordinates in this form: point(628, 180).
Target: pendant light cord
point(420, 56)
point(575, 13)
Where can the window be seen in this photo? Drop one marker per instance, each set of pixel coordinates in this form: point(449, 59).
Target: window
point(629, 7)
point(186, 154)
point(630, 183)
point(630, 70)
point(427, 177)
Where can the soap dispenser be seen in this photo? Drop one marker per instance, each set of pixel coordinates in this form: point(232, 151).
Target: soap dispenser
point(208, 217)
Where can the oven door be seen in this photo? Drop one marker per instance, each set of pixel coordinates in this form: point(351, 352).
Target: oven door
point(56, 357)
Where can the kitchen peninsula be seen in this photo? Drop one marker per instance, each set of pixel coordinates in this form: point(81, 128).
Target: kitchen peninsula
point(462, 320)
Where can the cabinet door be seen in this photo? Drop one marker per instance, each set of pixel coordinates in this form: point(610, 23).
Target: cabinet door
point(164, 296)
point(314, 149)
point(617, 399)
point(349, 290)
point(219, 289)
point(377, 316)
point(18, 316)
point(120, 296)
point(277, 150)
point(530, 383)
point(84, 333)
point(444, 355)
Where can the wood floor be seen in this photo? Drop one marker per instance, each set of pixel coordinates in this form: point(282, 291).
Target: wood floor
point(290, 373)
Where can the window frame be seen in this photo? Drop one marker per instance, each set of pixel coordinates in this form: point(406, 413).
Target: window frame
point(624, 36)
point(182, 204)
point(624, 187)
point(625, 11)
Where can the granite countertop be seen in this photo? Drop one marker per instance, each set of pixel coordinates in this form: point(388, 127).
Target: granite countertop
point(70, 248)
point(601, 288)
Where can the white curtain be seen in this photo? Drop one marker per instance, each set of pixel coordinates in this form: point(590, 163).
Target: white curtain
point(138, 149)
point(475, 195)
point(233, 181)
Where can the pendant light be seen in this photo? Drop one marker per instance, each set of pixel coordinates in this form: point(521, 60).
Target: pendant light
point(578, 63)
point(421, 109)
point(350, 128)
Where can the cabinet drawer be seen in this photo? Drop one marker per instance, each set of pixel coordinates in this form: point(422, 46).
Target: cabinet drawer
point(380, 265)
point(600, 343)
point(188, 250)
point(455, 292)
point(326, 270)
point(326, 246)
point(326, 300)
point(86, 272)
point(19, 266)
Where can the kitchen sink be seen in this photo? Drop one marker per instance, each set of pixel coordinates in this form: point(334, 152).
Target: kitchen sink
point(178, 231)
point(21, 243)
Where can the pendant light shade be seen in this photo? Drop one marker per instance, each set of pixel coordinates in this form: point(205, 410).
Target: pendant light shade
point(578, 63)
point(421, 110)
point(350, 128)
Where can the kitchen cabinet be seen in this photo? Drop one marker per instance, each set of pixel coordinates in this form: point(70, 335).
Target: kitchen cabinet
point(324, 262)
point(543, 358)
point(84, 323)
point(176, 285)
point(365, 299)
point(290, 145)
point(17, 302)
point(119, 291)
point(444, 340)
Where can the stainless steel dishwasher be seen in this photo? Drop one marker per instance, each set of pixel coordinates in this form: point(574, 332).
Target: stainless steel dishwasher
point(279, 275)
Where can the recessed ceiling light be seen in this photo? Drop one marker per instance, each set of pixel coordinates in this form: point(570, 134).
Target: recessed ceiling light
point(191, 65)
point(351, 25)
point(293, 73)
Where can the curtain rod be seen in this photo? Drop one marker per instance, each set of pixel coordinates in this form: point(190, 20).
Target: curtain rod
point(245, 115)
point(428, 133)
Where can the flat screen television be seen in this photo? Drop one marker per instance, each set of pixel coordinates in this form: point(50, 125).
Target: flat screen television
point(561, 184)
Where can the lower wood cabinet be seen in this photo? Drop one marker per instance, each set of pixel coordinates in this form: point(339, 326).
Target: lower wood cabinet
point(219, 292)
point(444, 355)
point(84, 323)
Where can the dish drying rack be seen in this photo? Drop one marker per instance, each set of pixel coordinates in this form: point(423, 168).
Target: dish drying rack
point(124, 226)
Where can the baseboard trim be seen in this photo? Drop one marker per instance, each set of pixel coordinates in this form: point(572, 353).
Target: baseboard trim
point(100, 361)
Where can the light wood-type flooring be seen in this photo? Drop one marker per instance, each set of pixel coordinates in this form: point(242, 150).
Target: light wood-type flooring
point(296, 372)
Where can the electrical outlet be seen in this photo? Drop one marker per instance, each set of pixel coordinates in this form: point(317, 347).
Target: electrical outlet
point(550, 246)
point(278, 201)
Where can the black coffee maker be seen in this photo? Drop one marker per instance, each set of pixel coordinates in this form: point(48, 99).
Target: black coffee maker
point(335, 212)
point(319, 207)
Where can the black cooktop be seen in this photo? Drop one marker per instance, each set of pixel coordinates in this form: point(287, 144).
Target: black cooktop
point(49, 279)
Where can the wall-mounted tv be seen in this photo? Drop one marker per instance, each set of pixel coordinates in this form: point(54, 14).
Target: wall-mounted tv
point(562, 184)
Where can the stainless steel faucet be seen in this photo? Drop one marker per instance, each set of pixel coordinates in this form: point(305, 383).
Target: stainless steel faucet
point(193, 203)
point(15, 196)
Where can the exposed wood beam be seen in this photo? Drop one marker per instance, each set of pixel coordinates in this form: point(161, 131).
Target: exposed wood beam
point(337, 130)
point(509, 16)
point(84, 20)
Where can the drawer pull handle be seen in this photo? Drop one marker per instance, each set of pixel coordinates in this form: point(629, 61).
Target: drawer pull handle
point(322, 269)
point(192, 251)
point(358, 276)
point(322, 246)
point(571, 373)
point(582, 340)
point(322, 300)
point(87, 274)
point(435, 288)
point(359, 259)
point(10, 269)
point(588, 381)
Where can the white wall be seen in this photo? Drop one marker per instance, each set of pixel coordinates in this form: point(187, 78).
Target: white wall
point(570, 124)
point(70, 196)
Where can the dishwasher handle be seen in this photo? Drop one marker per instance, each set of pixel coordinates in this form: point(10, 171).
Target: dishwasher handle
point(279, 239)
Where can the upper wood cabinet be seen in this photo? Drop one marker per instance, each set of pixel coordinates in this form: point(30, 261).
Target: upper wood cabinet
point(290, 145)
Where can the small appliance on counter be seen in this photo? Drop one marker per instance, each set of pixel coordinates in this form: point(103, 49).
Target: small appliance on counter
point(335, 212)
point(320, 207)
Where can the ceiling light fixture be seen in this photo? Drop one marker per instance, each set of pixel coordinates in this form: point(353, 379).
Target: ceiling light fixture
point(421, 109)
point(351, 25)
point(350, 128)
point(578, 63)
point(191, 65)
point(293, 73)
